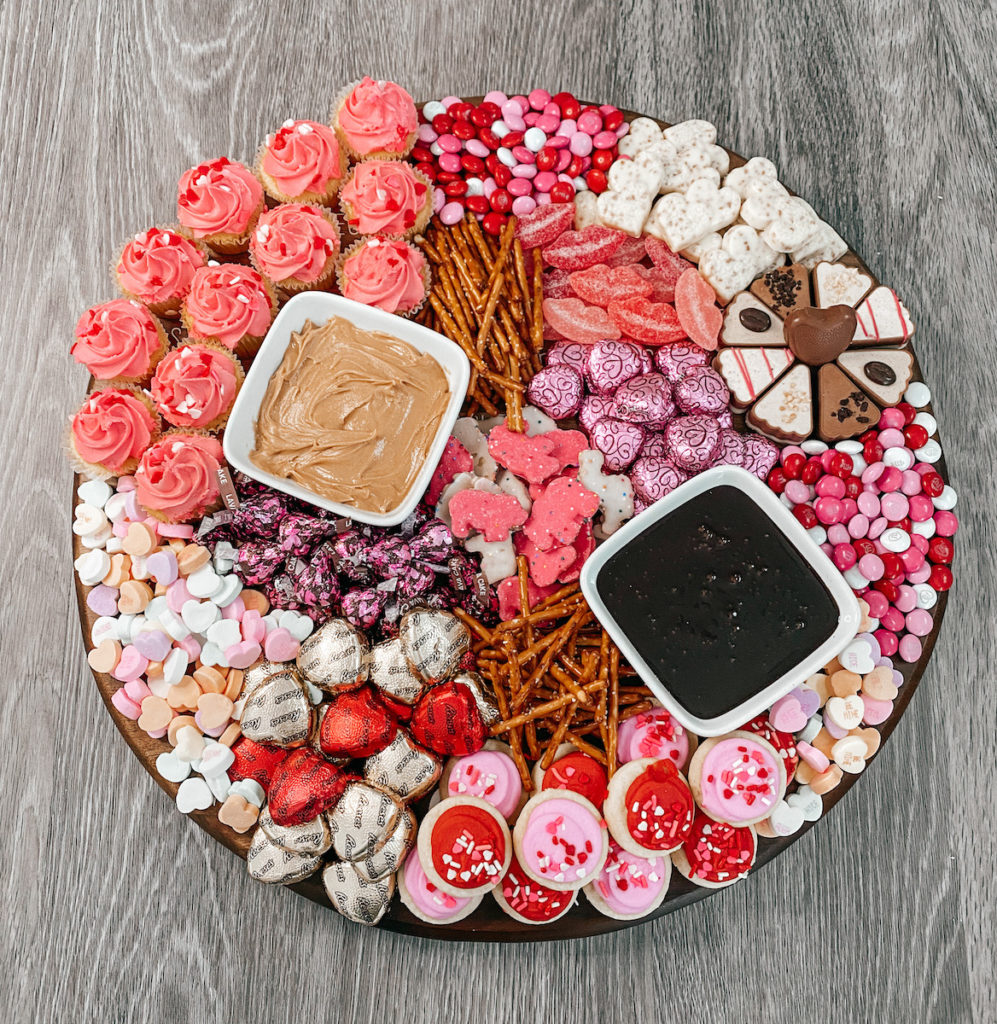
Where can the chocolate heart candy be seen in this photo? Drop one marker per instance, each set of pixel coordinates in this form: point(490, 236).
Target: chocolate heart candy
point(595, 408)
point(693, 441)
point(557, 390)
point(335, 657)
point(817, 336)
point(272, 864)
point(354, 897)
point(433, 642)
point(304, 785)
point(845, 409)
point(404, 767)
point(362, 820)
point(278, 712)
point(677, 359)
point(645, 399)
point(447, 720)
point(311, 837)
point(731, 450)
point(612, 363)
point(256, 761)
point(356, 724)
point(618, 441)
point(391, 854)
point(390, 672)
point(759, 455)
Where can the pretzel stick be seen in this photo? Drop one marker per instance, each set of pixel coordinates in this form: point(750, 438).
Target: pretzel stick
point(472, 624)
point(557, 738)
point(473, 230)
point(636, 709)
point(540, 711)
point(585, 748)
point(537, 322)
point(522, 280)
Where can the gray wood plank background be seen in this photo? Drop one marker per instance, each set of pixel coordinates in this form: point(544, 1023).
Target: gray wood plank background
point(882, 114)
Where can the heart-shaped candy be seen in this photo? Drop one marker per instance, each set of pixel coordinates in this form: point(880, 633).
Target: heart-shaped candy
point(818, 335)
point(786, 714)
point(785, 819)
point(278, 712)
point(403, 767)
point(304, 785)
point(267, 862)
point(391, 854)
point(857, 657)
point(447, 720)
point(356, 898)
point(279, 645)
point(845, 712)
point(311, 837)
point(362, 820)
point(238, 813)
point(356, 724)
point(255, 761)
point(808, 802)
point(620, 442)
point(645, 399)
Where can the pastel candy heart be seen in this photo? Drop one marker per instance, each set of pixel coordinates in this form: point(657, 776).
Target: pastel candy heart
point(785, 819)
point(279, 645)
point(845, 712)
point(216, 759)
point(154, 644)
point(224, 633)
point(808, 802)
point(205, 582)
point(857, 657)
point(809, 700)
point(131, 664)
point(620, 442)
point(190, 744)
point(162, 566)
point(786, 714)
point(199, 615)
point(194, 795)
point(103, 600)
point(298, 625)
point(254, 629)
point(171, 768)
point(242, 654)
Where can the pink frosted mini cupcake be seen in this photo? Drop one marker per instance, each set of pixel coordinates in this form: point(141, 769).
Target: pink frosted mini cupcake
point(376, 119)
point(387, 273)
point(230, 304)
point(156, 267)
point(111, 430)
point(302, 163)
point(195, 386)
point(386, 197)
point(119, 341)
point(296, 247)
point(218, 203)
point(177, 478)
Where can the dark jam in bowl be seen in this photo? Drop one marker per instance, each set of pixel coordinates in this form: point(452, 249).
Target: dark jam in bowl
point(717, 601)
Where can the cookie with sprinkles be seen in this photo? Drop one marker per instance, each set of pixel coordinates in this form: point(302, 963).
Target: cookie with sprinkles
point(531, 902)
point(650, 807)
point(714, 854)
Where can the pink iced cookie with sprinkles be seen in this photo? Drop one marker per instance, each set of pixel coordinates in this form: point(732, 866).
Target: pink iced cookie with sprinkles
point(629, 886)
point(489, 774)
point(426, 901)
point(737, 778)
point(654, 733)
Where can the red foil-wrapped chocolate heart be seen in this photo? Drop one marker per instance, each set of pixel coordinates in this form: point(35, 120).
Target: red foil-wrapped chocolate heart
point(257, 761)
point(447, 720)
point(303, 786)
point(356, 724)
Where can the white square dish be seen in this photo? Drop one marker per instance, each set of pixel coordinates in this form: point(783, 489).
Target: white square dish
point(768, 503)
point(318, 307)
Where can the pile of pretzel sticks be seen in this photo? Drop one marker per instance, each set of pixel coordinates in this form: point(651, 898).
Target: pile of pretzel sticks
point(557, 679)
point(485, 298)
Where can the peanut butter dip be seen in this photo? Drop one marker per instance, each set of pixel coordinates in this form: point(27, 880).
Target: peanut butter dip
point(350, 414)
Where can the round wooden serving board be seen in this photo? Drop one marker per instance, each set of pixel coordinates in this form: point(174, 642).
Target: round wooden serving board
point(488, 923)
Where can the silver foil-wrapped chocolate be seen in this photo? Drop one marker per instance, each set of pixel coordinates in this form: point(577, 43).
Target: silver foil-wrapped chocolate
point(433, 642)
point(278, 711)
point(362, 820)
point(335, 657)
point(259, 672)
point(391, 674)
point(312, 838)
point(404, 767)
point(354, 897)
point(267, 862)
point(391, 854)
point(484, 696)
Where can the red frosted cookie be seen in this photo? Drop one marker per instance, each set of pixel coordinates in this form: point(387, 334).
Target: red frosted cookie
point(528, 901)
point(714, 855)
point(650, 808)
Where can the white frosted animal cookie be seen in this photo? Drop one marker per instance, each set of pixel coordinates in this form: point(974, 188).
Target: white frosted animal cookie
point(838, 285)
point(748, 321)
point(643, 133)
point(537, 422)
point(741, 258)
point(498, 557)
point(749, 371)
point(469, 435)
point(616, 499)
point(586, 210)
point(511, 484)
point(680, 219)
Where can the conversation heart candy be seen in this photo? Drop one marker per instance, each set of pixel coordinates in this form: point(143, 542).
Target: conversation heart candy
point(693, 441)
point(576, 250)
point(702, 390)
point(599, 285)
point(654, 323)
point(612, 363)
point(620, 442)
point(645, 399)
point(697, 310)
point(576, 321)
point(557, 390)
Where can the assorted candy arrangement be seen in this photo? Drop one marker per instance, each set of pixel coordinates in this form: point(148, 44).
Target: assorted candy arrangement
point(432, 709)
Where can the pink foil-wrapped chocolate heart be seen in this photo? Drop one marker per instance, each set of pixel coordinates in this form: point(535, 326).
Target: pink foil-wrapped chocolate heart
point(594, 408)
point(612, 363)
point(677, 359)
point(646, 399)
point(693, 441)
point(568, 353)
point(702, 391)
point(731, 450)
point(654, 444)
point(619, 441)
point(760, 455)
point(557, 390)
point(653, 478)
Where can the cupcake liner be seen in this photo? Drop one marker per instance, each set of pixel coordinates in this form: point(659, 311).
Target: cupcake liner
point(355, 156)
point(169, 309)
point(292, 285)
point(327, 198)
point(218, 423)
point(198, 510)
point(427, 275)
point(422, 217)
point(96, 470)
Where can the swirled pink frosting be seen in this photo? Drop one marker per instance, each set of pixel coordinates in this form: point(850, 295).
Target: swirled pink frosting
point(384, 196)
point(385, 273)
point(178, 475)
point(158, 265)
point(112, 427)
point(117, 339)
point(294, 240)
point(218, 198)
point(227, 302)
point(303, 156)
point(194, 385)
point(378, 117)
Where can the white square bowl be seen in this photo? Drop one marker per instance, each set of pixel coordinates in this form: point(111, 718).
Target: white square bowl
point(841, 593)
point(318, 307)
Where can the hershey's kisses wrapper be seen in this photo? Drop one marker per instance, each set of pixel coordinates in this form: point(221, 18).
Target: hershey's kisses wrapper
point(335, 657)
point(298, 533)
point(278, 711)
point(433, 642)
point(362, 820)
point(274, 865)
point(260, 671)
point(258, 561)
point(391, 854)
point(484, 696)
point(259, 516)
point(354, 897)
point(312, 838)
point(404, 767)
point(390, 672)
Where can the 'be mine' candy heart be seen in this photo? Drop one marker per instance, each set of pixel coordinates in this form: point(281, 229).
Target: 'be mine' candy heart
point(693, 441)
point(696, 306)
point(599, 285)
point(579, 322)
point(577, 250)
point(786, 714)
point(544, 224)
point(654, 323)
point(646, 399)
point(446, 720)
point(557, 390)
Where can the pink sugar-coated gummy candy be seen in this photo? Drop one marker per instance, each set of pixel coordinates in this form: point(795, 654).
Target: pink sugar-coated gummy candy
point(254, 629)
point(876, 711)
point(910, 648)
point(153, 644)
point(888, 641)
point(243, 654)
point(919, 622)
point(177, 595)
point(131, 665)
point(162, 566)
point(103, 600)
point(179, 531)
point(234, 610)
point(946, 523)
point(279, 645)
point(125, 705)
point(191, 645)
point(812, 756)
point(137, 690)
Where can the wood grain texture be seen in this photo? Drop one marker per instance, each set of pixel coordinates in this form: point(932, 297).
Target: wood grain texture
point(879, 113)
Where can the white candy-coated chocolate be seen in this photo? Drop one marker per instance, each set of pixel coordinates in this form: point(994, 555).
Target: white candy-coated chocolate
point(918, 394)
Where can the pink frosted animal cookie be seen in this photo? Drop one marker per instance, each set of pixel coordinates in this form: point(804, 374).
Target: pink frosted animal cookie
point(559, 512)
point(531, 458)
point(455, 459)
point(493, 515)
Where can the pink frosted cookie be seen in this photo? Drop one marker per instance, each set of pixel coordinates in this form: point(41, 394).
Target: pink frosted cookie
point(738, 778)
point(427, 901)
point(629, 886)
point(561, 839)
point(650, 807)
point(654, 733)
point(490, 774)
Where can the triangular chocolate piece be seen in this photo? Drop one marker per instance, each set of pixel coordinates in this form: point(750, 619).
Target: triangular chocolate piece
point(785, 411)
point(883, 372)
point(748, 321)
point(784, 288)
point(845, 409)
point(749, 371)
point(836, 284)
point(882, 319)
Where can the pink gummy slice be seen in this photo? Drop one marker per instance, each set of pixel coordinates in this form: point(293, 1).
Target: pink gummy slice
point(455, 459)
point(631, 250)
point(556, 284)
point(654, 323)
point(544, 224)
point(663, 257)
point(662, 282)
point(576, 250)
point(600, 285)
point(573, 320)
point(697, 310)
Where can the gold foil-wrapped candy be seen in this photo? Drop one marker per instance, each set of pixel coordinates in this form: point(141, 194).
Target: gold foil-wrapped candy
point(274, 865)
point(335, 657)
point(362, 820)
point(391, 854)
point(391, 674)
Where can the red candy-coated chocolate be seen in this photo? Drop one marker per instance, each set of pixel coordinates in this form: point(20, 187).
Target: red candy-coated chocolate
point(940, 578)
point(940, 550)
point(492, 223)
point(777, 479)
point(811, 471)
point(563, 192)
point(806, 516)
point(792, 465)
point(915, 435)
point(909, 412)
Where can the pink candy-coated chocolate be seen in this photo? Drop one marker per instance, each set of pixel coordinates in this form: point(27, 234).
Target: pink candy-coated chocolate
point(910, 648)
point(557, 390)
point(946, 523)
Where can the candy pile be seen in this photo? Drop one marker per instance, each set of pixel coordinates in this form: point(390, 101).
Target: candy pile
point(883, 514)
point(511, 154)
point(308, 561)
